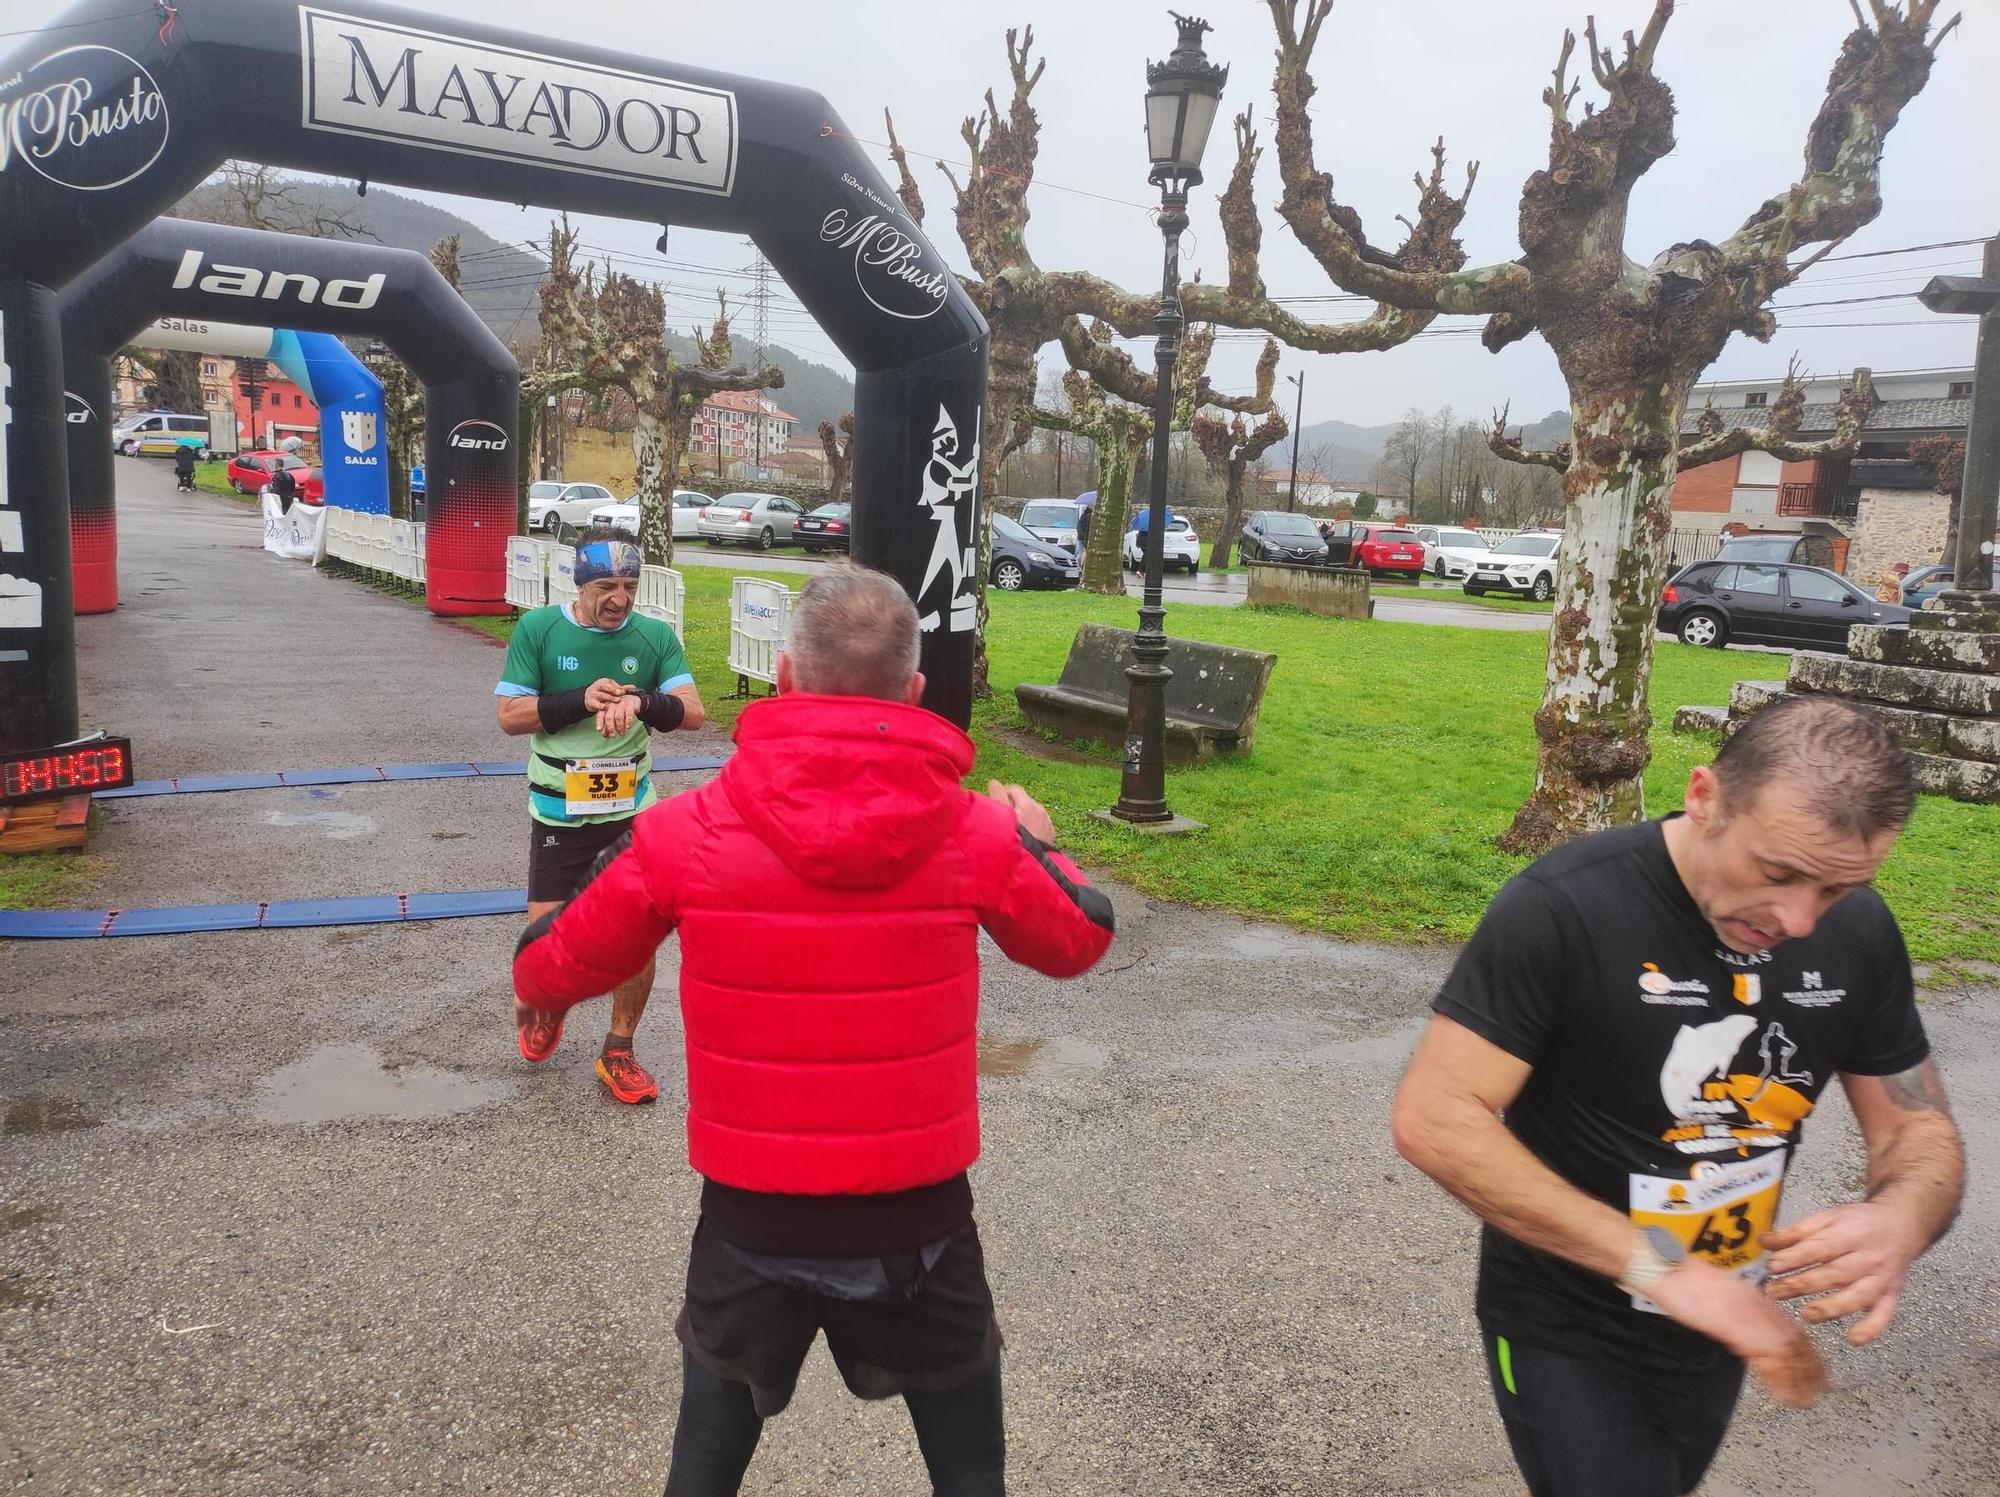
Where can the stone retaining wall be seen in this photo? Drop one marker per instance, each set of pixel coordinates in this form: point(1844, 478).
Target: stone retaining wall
point(1332, 592)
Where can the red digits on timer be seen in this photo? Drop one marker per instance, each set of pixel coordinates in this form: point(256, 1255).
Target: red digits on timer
point(81, 770)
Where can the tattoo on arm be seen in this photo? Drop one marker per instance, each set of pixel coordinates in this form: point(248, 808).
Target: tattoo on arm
point(1919, 1089)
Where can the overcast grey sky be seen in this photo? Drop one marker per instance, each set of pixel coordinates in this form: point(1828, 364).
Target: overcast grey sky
point(1393, 75)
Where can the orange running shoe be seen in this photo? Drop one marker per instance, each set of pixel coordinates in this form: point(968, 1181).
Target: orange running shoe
point(626, 1079)
point(538, 1031)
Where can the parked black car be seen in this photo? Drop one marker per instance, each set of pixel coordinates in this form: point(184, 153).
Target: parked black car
point(1779, 545)
point(1276, 535)
point(828, 528)
point(1715, 603)
point(1023, 559)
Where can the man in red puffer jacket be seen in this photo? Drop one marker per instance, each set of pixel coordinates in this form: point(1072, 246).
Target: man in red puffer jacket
point(829, 887)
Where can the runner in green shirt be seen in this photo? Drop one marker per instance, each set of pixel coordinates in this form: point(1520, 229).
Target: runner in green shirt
point(591, 681)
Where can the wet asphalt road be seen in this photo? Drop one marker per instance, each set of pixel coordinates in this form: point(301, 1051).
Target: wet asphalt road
point(284, 1213)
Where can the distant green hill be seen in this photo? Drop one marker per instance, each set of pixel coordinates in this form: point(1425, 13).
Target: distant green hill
point(501, 281)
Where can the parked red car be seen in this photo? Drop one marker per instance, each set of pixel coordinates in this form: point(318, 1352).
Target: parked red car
point(1383, 550)
point(248, 472)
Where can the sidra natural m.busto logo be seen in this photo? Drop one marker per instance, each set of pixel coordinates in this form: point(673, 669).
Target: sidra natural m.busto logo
point(896, 269)
point(86, 117)
point(391, 82)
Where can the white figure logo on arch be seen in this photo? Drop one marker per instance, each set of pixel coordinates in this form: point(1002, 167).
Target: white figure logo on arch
point(951, 480)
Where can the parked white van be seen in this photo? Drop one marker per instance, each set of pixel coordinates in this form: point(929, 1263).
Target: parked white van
point(157, 433)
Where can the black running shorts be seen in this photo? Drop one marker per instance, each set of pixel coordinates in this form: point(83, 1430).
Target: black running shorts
point(1583, 1426)
point(905, 1322)
point(559, 857)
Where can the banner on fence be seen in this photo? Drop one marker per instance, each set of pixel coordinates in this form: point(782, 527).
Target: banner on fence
point(293, 533)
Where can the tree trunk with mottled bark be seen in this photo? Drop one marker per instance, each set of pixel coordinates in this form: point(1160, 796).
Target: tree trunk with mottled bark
point(1593, 725)
point(1632, 340)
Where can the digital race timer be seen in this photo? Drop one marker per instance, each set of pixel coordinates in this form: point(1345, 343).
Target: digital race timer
point(78, 769)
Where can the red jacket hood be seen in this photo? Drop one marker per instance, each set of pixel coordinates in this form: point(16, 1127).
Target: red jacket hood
point(847, 791)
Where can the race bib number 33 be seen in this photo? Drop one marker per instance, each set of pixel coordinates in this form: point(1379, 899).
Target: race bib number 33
point(600, 787)
point(1721, 1215)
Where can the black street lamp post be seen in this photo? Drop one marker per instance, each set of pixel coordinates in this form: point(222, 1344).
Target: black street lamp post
point(1182, 94)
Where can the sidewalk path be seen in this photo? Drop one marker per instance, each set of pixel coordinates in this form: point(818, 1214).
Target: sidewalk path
point(285, 1213)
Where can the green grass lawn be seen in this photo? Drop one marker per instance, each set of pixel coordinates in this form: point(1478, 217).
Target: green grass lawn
point(1389, 757)
point(213, 478)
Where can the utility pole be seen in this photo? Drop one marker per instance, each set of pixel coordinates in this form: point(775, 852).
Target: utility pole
point(1979, 490)
point(1298, 415)
point(760, 329)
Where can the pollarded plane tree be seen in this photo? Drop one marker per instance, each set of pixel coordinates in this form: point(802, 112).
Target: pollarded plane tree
point(1232, 447)
point(1111, 403)
point(610, 333)
point(837, 442)
point(1632, 341)
point(1027, 306)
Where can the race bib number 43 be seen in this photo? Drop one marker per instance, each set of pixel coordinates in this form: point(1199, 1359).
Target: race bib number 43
point(600, 787)
point(1721, 1214)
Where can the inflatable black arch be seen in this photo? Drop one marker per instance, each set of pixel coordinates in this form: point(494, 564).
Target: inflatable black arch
point(108, 116)
point(205, 272)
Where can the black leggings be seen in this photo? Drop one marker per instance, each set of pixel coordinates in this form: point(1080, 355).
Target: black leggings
point(960, 1433)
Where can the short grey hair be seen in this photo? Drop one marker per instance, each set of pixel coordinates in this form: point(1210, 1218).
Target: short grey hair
point(1843, 762)
point(853, 634)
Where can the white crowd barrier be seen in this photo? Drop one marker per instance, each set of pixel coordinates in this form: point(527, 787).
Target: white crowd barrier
point(562, 574)
point(540, 572)
point(760, 612)
point(337, 521)
point(663, 596)
point(527, 572)
point(403, 550)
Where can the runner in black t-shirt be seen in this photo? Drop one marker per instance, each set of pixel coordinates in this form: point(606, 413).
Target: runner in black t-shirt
point(1655, 1010)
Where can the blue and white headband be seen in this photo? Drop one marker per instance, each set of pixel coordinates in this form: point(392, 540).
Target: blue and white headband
point(598, 559)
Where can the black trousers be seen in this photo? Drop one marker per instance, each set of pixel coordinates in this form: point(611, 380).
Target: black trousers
point(917, 1325)
point(960, 1432)
point(1581, 1426)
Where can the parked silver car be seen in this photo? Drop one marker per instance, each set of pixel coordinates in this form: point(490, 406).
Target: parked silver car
point(1054, 521)
point(760, 520)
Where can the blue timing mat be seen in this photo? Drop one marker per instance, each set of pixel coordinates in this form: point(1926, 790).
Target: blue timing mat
point(292, 914)
point(364, 775)
point(288, 914)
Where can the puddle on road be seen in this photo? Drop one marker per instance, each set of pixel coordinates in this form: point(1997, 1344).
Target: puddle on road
point(340, 826)
point(1019, 1057)
point(998, 1057)
point(342, 1083)
point(45, 1115)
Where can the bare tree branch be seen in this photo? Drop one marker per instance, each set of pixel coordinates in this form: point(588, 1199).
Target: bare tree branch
point(1879, 70)
point(1425, 274)
point(1512, 449)
point(906, 188)
point(1779, 435)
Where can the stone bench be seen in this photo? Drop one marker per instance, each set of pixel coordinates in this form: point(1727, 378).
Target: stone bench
point(1213, 697)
